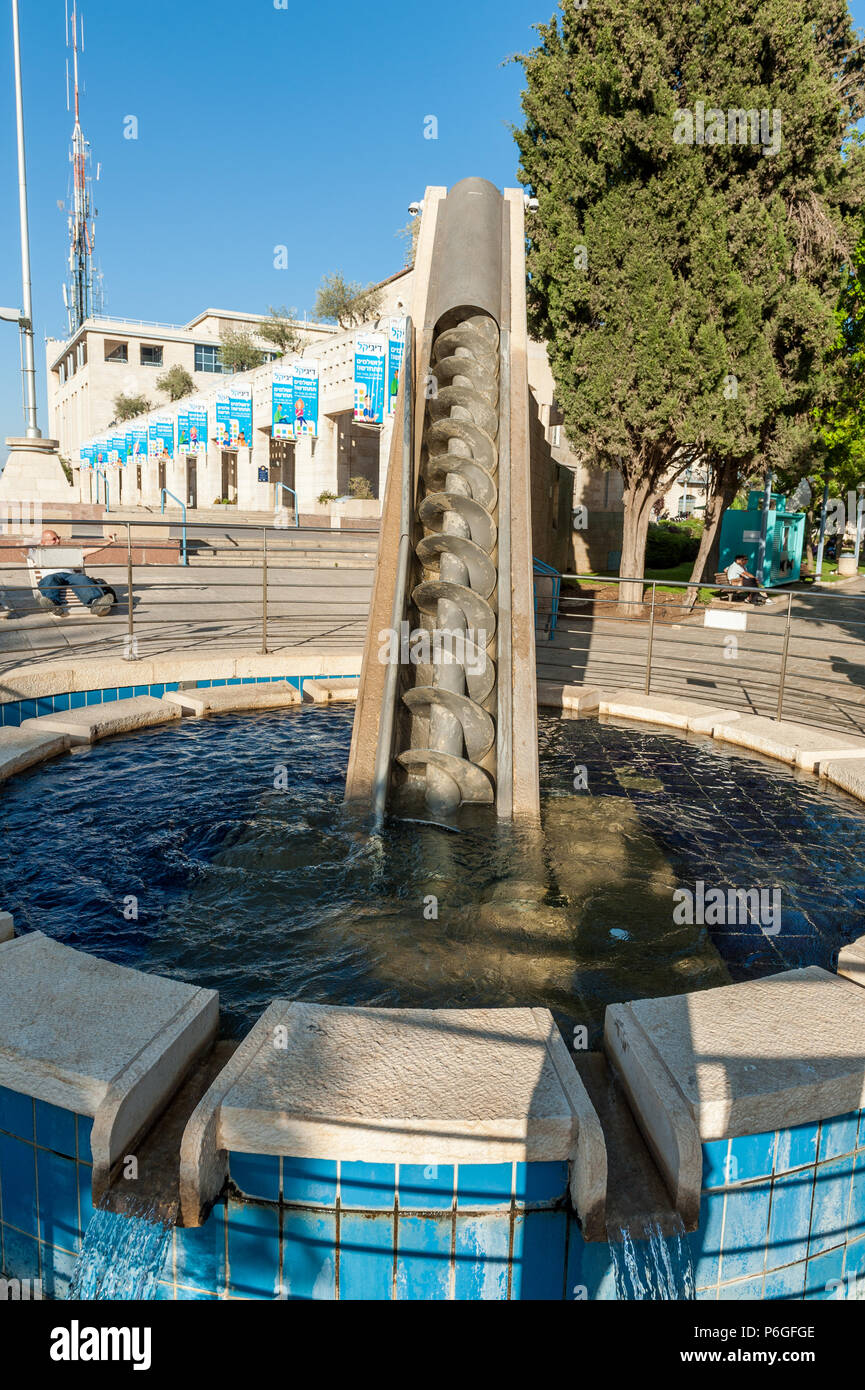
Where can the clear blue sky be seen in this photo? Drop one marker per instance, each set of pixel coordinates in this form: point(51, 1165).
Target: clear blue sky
point(257, 126)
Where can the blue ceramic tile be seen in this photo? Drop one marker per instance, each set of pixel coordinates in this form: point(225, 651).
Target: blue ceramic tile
point(157, 691)
point(85, 1128)
point(141, 689)
point(125, 692)
point(366, 1257)
point(85, 1194)
point(797, 1147)
point(172, 688)
point(751, 1156)
point(55, 1128)
point(163, 1293)
point(838, 1136)
point(856, 1219)
point(61, 703)
point(77, 699)
point(20, 1255)
point(213, 683)
point(109, 697)
point(746, 1224)
point(481, 1254)
point(200, 1253)
point(28, 709)
point(248, 680)
point(253, 1250)
point(862, 1129)
point(16, 1114)
point(204, 685)
point(93, 697)
point(234, 680)
point(255, 1174)
point(427, 1188)
point(309, 1255)
point(790, 1218)
point(540, 1184)
point(423, 1267)
point(785, 1283)
point(484, 1184)
point(705, 1242)
point(59, 1223)
point(539, 1255)
point(575, 1286)
point(44, 705)
point(832, 1191)
point(18, 1184)
point(715, 1173)
point(824, 1276)
point(750, 1289)
point(309, 1181)
point(371, 1186)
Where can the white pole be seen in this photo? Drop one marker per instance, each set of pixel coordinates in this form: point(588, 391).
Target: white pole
point(29, 366)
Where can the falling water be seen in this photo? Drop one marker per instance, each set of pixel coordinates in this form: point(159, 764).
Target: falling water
point(654, 1266)
point(121, 1256)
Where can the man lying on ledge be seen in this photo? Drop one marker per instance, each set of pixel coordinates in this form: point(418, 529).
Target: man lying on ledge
point(52, 587)
point(737, 574)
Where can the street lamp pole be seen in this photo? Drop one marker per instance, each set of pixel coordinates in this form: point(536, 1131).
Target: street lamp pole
point(860, 488)
point(26, 322)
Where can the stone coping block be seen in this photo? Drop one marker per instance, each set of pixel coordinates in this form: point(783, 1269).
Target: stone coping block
point(585, 699)
point(791, 743)
point(93, 722)
point(669, 710)
point(28, 682)
point(7, 926)
point(398, 1086)
point(741, 1059)
point(846, 773)
point(226, 698)
point(23, 748)
point(329, 690)
point(851, 962)
point(97, 1038)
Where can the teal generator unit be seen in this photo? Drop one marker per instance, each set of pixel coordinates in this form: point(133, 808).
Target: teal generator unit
point(785, 539)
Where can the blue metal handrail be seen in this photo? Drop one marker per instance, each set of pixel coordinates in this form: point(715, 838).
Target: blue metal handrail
point(286, 488)
point(539, 567)
point(184, 558)
point(102, 473)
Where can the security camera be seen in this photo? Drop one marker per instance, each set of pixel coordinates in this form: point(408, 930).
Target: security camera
point(532, 204)
point(415, 209)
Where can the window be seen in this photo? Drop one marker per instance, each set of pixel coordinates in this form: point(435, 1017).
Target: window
point(207, 358)
point(151, 355)
point(82, 353)
point(116, 352)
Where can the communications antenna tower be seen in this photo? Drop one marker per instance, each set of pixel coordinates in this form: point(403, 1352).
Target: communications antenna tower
point(81, 293)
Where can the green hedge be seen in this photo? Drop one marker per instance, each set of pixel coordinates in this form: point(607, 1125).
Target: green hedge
point(669, 545)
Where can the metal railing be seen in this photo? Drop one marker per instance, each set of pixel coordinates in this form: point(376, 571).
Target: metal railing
point(182, 506)
point(807, 648)
point(286, 488)
point(541, 569)
point(244, 587)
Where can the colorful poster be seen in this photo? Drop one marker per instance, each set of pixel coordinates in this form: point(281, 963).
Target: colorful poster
point(87, 454)
point(240, 418)
point(305, 407)
point(183, 432)
point(197, 430)
point(395, 352)
point(223, 416)
point(161, 439)
point(370, 352)
point(282, 400)
point(100, 456)
point(136, 446)
point(117, 450)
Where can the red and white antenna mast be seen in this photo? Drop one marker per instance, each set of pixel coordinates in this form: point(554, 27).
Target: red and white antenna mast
point(79, 294)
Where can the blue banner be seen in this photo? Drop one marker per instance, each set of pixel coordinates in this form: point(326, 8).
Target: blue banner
point(305, 400)
point(240, 418)
point(395, 352)
point(161, 436)
point(197, 429)
point(136, 446)
point(223, 415)
point(117, 449)
point(183, 432)
point(369, 378)
point(282, 399)
point(87, 455)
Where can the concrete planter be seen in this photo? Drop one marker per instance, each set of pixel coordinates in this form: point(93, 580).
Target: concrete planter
point(847, 565)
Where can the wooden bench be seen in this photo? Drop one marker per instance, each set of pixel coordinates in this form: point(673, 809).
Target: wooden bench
point(41, 562)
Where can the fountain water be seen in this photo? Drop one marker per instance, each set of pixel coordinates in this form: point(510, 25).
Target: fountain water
point(121, 1256)
point(655, 1265)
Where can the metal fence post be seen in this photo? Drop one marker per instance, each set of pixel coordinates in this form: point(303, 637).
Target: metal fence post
point(264, 591)
point(651, 641)
point(784, 651)
point(131, 654)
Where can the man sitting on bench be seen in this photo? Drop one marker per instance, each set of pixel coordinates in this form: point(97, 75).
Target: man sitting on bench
point(53, 586)
point(737, 574)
